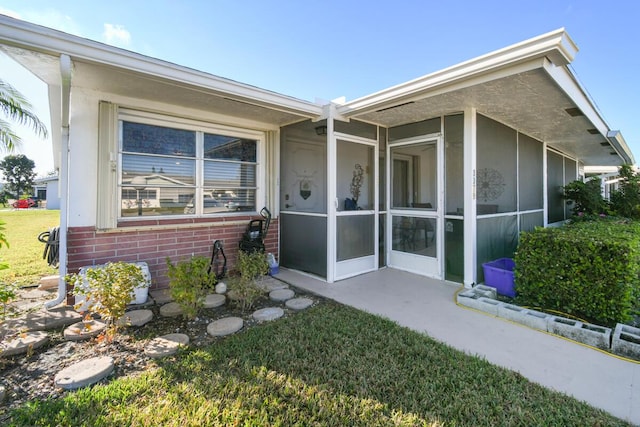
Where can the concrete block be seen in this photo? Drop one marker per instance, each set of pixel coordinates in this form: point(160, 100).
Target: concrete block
point(486, 291)
point(626, 341)
point(586, 333)
point(486, 305)
point(531, 318)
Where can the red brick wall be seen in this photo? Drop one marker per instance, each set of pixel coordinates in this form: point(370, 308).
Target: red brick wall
point(152, 241)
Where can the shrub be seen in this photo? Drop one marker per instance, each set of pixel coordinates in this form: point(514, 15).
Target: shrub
point(586, 197)
point(108, 290)
point(244, 288)
point(189, 284)
point(586, 269)
point(626, 200)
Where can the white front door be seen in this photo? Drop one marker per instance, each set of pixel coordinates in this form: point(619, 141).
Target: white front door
point(414, 224)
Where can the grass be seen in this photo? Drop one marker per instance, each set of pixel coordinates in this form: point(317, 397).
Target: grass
point(24, 254)
point(330, 365)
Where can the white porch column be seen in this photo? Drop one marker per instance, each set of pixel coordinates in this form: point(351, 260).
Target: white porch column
point(332, 200)
point(470, 252)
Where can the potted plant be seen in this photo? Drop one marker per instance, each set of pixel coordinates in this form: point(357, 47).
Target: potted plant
point(106, 290)
point(356, 183)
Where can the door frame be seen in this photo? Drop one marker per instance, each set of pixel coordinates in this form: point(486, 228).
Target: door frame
point(419, 264)
point(338, 270)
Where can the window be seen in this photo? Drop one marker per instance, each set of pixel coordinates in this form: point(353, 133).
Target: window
point(166, 170)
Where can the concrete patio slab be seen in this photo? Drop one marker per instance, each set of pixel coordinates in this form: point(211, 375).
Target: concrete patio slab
point(428, 305)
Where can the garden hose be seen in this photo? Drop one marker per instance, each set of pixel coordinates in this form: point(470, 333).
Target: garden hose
point(626, 359)
point(51, 240)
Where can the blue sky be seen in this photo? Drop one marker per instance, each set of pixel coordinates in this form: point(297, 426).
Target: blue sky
point(328, 49)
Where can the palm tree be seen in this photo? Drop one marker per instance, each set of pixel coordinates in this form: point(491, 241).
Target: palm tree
point(16, 107)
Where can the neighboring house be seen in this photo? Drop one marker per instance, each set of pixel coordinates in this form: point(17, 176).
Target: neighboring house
point(434, 176)
point(45, 191)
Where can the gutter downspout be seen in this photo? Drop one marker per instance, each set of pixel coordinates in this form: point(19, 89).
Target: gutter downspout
point(65, 80)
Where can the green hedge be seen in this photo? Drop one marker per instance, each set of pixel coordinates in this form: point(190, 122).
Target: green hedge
point(587, 269)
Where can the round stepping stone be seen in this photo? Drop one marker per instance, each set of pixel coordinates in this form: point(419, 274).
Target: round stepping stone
point(267, 314)
point(269, 285)
point(22, 343)
point(298, 303)
point(136, 318)
point(225, 326)
point(165, 345)
point(171, 309)
point(84, 373)
point(214, 300)
point(281, 294)
point(84, 330)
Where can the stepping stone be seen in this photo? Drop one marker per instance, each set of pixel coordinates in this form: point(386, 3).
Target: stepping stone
point(83, 331)
point(225, 326)
point(281, 294)
point(136, 318)
point(269, 285)
point(23, 343)
point(171, 309)
point(166, 345)
point(267, 314)
point(161, 296)
point(214, 300)
point(84, 373)
point(298, 303)
point(43, 320)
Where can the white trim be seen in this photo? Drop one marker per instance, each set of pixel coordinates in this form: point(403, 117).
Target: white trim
point(470, 226)
point(556, 45)
point(332, 198)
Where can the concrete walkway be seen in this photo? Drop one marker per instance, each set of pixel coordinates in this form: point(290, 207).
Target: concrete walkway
point(428, 305)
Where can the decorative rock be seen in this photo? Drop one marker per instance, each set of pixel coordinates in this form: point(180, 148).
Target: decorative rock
point(298, 303)
point(49, 282)
point(166, 345)
point(267, 314)
point(221, 288)
point(171, 309)
point(3, 393)
point(225, 326)
point(84, 373)
point(84, 330)
point(22, 343)
point(214, 300)
point(281, 294)
point(136, 318)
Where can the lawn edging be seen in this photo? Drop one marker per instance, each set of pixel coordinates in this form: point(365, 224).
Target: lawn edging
point(623, 341)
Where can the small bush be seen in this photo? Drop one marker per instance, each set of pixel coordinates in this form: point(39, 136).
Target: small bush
point(586, 269)
point(586, 197)
point(108, 290)
point(244, 288)
point(189, 284)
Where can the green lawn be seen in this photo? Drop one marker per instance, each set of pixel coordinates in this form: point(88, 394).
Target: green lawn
point(330, 365)
point(24, 254)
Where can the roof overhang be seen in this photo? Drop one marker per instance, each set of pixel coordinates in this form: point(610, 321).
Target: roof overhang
point(527, 86)
point(108, 69)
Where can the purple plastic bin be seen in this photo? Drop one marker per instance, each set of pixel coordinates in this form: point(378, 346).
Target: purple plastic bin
point(499, 274)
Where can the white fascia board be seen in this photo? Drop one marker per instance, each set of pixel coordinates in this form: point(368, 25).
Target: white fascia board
point(41, 39)
point(570, 85)
point(555, 45)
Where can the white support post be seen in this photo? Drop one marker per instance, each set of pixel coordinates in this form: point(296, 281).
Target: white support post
point(470, 227)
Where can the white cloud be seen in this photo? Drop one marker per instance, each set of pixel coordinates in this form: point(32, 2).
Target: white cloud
point(116, 35)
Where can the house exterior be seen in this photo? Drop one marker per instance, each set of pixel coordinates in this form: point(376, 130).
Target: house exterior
point(46, 192)
point(434, 176)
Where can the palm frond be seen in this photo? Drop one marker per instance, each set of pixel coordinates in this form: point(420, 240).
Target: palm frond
point(16, 107)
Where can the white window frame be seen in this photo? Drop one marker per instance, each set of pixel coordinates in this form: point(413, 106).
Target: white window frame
point(200, 127)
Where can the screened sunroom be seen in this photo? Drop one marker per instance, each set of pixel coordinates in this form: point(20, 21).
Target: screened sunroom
point(439, 175)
